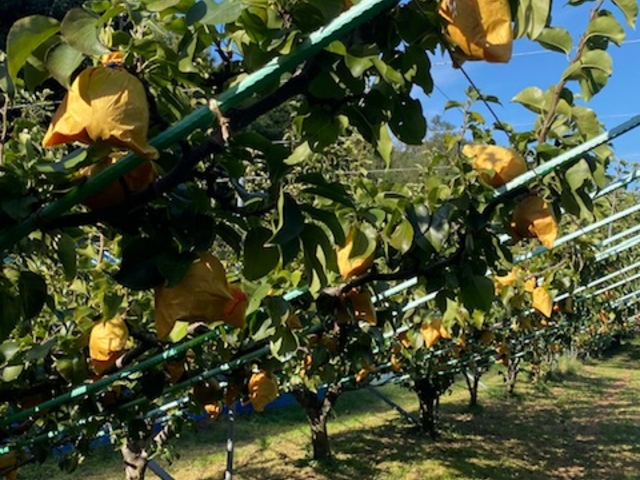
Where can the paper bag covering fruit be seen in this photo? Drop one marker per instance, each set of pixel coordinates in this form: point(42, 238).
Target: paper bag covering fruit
point(213, 410)
point(107, 105)
point(263, 389)
point(136, 180)
point(9, 460)
point(203, 295)
point(480, 29)
point(107, 343)
point(506, 164)
point(542, 301)
point(351, 267)
point(359, 304)
point(433, 331)
point(532, 217)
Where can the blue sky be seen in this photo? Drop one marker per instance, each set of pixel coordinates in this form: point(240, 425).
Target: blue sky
point(532, 65)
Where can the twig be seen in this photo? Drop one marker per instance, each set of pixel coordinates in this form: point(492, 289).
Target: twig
point(542, 134)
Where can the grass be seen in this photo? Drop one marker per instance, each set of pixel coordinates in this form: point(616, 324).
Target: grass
point(583, 426)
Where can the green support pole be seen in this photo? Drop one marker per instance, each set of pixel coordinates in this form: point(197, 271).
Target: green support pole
point(89, 388)
point(203, 117)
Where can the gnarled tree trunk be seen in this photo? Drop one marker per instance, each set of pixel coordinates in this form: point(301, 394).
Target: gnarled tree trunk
point(135, 455)
point(473, 380)
point(318, 411)
point(428, 396)
point(512, 375)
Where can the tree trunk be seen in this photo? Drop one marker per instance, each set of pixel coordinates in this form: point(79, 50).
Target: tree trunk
point(428, 396)
point(320, 438)
point(317, 411)
point(473, 380)
point(136, 457)
point(512, 375)
point(135, 461)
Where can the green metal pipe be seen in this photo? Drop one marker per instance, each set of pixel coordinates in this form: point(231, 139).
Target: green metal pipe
point(89, 388)
point(203, 117)
point(568, 156)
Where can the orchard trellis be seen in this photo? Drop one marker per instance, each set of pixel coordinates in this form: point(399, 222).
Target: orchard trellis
point(447, 244)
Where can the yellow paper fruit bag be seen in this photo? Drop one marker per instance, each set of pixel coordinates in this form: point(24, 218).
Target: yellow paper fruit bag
point(542, 301)
point(134, 181)
point(263, 388)
point(505, 162)
point(203, 295)
point(532, 217)
point(10, 459)
point(433, 331)
point(213, 410)
point(107, 342)
point(105, 104)
point(480, 29)
point(350, 267)
point(361, 305)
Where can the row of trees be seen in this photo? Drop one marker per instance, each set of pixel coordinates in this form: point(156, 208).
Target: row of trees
point(282, 191)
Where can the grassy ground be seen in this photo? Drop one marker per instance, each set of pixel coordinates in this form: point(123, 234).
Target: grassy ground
point(583, 425)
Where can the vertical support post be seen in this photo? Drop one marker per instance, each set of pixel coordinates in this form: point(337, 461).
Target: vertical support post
point(231, 412)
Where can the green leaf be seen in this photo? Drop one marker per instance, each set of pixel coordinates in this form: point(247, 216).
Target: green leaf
point(9, 318)
point(62, 61)
point(391, 75)
point(532, 98)
point(257, 296)
point(282, 343)
point(290, 220)
point(408, 122)
point(439, 227)
point(11, 373)
point(8, 351)
point(358, 65)
point(420, 68)
point(556, 39)
point(278, 310)
point(159, 5)
point(67, 256)
point(110, 304)
point(329, 219)
point(629, 9)
point(578, 174)
point(211, 12)
point(33, 292)
point(477, 292)
point(606, 26)
point(532, 17)
point(6, 84)
point(80, 30)
point(402, 236)
point(364, 239)
point(39, 352)
point(261, 328)
point(139, 267)
point(384, 144)
point(259, 259)
point(586, 121)
point(598, 60)
point(25, 36)
point(299, 154)
point(174, 266)
point(178, 332)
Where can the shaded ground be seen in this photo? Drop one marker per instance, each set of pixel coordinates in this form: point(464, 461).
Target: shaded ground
point(581, 427)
